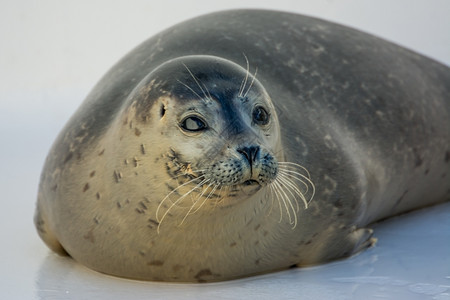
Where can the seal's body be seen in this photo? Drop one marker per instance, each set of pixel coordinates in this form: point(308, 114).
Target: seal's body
point(183, 164)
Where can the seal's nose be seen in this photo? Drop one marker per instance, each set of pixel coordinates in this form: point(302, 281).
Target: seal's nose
point(250, 153)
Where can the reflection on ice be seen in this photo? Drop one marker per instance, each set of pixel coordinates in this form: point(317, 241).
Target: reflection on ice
point(410, 261)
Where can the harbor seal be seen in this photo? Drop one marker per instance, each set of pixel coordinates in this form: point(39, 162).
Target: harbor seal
point(243, 142)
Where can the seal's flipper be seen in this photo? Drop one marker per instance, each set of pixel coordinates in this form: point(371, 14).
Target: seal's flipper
point(362, 239)
point(342, 244)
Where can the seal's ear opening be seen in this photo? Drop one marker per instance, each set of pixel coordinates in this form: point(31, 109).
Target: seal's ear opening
point(162, 111)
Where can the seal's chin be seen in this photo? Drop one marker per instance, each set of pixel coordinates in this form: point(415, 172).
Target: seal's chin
point(249, 187)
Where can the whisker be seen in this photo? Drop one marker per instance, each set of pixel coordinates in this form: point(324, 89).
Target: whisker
point(196, 81)
point(291, 185)
point(284, 196)
point(207, 91)
point(207, 197)
point(288, 187)
point(271, 198)
point(275, 190)
point(177, 201)
point(199, 97)
point(288, 168)
point(226, 190)
point(220, 197)
point(290, 173)
point(244, 82)
point(291, 206)
point(287, 201)
point(301, 195)
point(180, 198)
point(173, 191)
point(201, 205)
point(251, 83)
point(296, 165)
point(185, 174)
point(180, 175)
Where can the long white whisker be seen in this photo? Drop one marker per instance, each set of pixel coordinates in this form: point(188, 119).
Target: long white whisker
point(291, 185)
point(299, 174)
point(289, 174)
point(275, 190)
point(207, 91)
point(251, 83)
point(283, 169)
point(220, 196)
point(288, 188)
point(244, 82)
point(285, 198)
point(173, 191)
point(294, 223)
point(296, 165)
point(199, 97)
point(271, 198)
point(298, 192)
point(177, 201)
point(209, 195)
point(196, 81)
point(204, 201)
point(182, 197)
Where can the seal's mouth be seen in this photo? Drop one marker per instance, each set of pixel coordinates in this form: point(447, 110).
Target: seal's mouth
point(250, 182)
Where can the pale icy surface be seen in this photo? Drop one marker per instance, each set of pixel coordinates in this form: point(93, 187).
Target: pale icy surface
point(53, 52)
point(410, 261)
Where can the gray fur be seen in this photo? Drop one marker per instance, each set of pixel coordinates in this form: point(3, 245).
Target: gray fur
point(369, 120)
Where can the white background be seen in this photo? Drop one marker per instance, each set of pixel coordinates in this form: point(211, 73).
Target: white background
point(53, 52)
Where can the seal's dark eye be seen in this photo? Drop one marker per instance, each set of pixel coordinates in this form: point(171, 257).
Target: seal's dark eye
point(193, 124)
point(260, 116)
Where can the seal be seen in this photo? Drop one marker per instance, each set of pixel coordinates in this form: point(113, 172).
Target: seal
point(243, 142)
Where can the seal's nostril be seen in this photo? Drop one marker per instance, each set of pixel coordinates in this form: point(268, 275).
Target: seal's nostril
point(244, 153)
point(250, 153)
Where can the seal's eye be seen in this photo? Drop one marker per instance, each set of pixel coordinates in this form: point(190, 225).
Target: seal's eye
point(260, 116)
point(193, 124)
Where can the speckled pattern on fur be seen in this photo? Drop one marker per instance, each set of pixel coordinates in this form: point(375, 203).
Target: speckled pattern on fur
point(139, 183)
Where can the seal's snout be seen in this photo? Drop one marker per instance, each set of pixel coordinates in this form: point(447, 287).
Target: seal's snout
point(247, 165)
point(262, 167)
point(251, 155)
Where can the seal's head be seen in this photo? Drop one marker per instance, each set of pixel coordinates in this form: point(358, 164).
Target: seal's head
point(217, 130)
